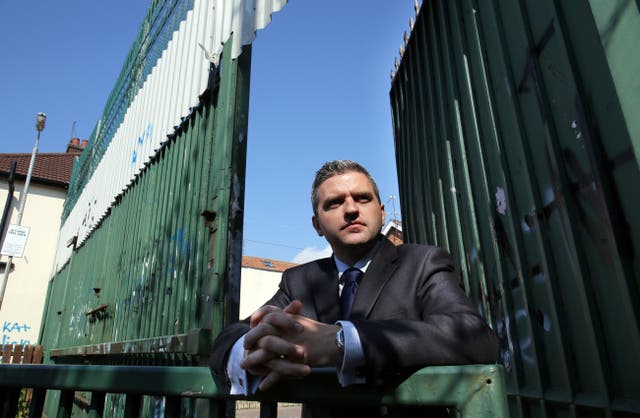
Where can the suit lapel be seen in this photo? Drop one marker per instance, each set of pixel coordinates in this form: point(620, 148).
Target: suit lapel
point(324, 288)
point(379, 272)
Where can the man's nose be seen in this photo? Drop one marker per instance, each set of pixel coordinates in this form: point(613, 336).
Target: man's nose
point(350, 208)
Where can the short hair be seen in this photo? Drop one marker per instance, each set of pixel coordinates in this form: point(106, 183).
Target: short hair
point(333, 168)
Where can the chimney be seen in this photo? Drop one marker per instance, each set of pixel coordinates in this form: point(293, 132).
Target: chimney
point(74, 146)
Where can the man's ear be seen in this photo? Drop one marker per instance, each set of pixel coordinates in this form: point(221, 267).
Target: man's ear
point(383, 214)
point(316, 225)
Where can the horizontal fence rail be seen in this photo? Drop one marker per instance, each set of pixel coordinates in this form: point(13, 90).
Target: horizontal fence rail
point(474, 390)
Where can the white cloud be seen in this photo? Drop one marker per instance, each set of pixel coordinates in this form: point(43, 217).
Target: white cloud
point(312, 253)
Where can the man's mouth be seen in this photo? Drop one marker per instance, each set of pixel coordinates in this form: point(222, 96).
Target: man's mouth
point(353, 224)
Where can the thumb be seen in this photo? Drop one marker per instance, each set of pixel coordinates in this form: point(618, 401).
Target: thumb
point(294, 308)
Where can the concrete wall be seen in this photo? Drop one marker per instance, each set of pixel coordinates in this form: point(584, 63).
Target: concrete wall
point(24, 298)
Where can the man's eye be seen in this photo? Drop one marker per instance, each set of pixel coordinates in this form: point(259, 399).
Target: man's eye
point(364, 199)
point(332, 205)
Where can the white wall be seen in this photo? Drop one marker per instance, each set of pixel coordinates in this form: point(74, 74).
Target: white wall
point(24, 298)
point(256, 287)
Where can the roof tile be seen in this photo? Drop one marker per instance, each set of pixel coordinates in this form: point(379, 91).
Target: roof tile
point(48, 167)
point(262, 263)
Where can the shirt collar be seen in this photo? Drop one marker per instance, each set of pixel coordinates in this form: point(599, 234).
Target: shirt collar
point(362, 264)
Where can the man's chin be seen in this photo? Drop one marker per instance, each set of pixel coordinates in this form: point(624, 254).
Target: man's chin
point(356, 242)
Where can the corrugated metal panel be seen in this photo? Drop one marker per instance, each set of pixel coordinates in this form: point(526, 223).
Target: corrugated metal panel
point(159, 263)
point(517, 144)
point(168, 95)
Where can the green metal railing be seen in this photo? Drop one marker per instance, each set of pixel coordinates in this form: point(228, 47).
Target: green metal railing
point(473, 391)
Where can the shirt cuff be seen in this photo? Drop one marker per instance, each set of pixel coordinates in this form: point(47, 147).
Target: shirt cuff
point(353, 358)
point(242, 383)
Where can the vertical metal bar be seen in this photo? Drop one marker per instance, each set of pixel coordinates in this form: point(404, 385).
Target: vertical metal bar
point(268, 409)
point(191, 218)
point(132, 405)
point(150, 190)
point(65, 404)
point(236, 179)
point(426, 64)
point(37, 403)
point(227, 249)
point(436, 105)
point(9, 403)
point(156, 262)
point(180, 237)
point(193, 273)
point(415, 50)
point(164, 321)
point(96, 408)
point(131, 222)
point(208, 234)
point(135, 226)
point(131, 265)
point(172, 407)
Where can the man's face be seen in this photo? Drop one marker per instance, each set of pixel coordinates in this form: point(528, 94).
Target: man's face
point(349, 215)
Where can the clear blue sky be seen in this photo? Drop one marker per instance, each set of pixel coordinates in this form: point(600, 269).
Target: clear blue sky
point(319, 91)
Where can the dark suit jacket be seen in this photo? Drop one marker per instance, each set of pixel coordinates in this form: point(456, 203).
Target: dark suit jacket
point(410, 311)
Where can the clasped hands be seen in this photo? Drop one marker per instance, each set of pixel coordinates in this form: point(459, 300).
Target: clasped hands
point(283, 344)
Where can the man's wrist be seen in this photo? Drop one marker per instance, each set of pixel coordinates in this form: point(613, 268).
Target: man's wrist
point(353, 358)
point(340, 345)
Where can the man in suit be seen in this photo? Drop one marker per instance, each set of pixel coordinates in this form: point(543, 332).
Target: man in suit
point(373, 311)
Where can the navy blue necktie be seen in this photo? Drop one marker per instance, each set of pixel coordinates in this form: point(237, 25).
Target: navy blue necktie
point(350, 278)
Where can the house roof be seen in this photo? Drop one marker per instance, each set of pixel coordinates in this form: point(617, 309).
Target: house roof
point(49, 168)
point(262, 263)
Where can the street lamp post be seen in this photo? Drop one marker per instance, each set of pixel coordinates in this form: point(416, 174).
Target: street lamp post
point(40, 120)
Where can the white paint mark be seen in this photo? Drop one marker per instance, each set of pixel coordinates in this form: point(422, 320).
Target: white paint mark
point(501, 201)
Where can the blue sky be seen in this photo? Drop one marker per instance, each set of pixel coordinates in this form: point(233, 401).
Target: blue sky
point(319, 91)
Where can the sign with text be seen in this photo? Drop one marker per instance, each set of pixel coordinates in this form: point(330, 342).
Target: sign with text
point(15, 241)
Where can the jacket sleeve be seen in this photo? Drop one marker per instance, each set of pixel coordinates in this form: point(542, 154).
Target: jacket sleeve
point(446, 330)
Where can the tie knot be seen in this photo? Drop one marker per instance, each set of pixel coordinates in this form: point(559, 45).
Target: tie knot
point(351, 275)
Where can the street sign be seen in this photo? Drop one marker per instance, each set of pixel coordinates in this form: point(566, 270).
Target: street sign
point(15, 241)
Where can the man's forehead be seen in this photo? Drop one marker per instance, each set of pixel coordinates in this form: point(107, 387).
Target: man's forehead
point(333, 183)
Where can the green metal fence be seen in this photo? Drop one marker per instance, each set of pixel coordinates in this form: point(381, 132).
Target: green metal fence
point(156, 264)
point(161, 262)
point(517, 140)
point(472, 391)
